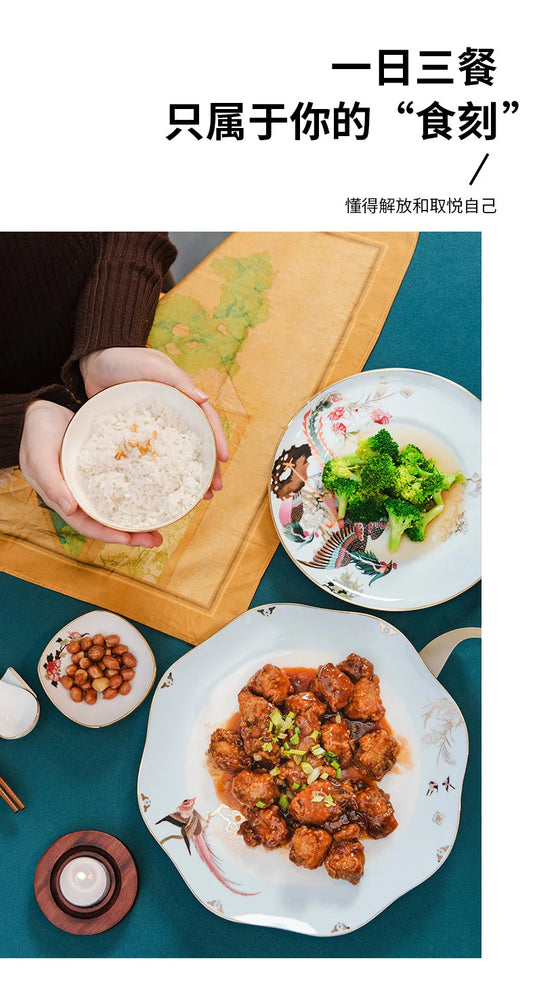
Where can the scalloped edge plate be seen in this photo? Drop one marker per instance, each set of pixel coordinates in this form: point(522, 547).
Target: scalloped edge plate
point(198, 693)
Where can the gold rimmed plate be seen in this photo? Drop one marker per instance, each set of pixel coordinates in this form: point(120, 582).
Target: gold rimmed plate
point(351, 560)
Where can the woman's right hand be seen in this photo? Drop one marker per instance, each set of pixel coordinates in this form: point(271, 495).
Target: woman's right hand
point(44, 425)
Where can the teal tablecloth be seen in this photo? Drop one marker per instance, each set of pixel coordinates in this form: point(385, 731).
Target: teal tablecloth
point(71, 778)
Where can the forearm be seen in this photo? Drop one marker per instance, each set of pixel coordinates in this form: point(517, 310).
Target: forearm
point(117, 305)
point(12, 412)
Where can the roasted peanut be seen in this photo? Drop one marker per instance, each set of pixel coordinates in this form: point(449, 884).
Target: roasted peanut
point(84, 663)
point(95, 652)
point(71, 669)
point(119, 649)
point(90, 696)
point(116, 680)
point(85, 643)
point(76, 657)
point(127, 673)
point(112, 640)
point(109, 693)
point(94, 671)
point(125, 688)
point(73, 647)
point(80, 677)
point(107, 652)
point(109, 673)
point(112, 663)
point(67, 681)
point(129, 660)
point(100, 684)
point(98, 639)
point(76, 693)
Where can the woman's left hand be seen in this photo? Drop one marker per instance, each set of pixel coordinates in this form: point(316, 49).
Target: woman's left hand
point(114, 365)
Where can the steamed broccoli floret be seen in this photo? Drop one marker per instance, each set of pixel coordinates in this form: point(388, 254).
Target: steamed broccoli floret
point(401, 515)
point(416, 532)
point(383, 443)
point(378, 474)
point(419, 478)
point(411, 487)
point(449, 479)
point(341, 485)
point(363, 509)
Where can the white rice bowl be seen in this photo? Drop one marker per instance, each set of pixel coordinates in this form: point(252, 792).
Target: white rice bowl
point(138, 456)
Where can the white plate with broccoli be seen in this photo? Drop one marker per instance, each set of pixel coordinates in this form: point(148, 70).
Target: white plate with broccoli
point(375, 489)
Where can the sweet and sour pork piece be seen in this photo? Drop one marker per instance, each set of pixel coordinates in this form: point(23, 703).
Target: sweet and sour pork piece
point(305, 701)
point(309, 847)
point(227, 752)
point(271, 682)
point(265, 827)
point(320, 802)
point(365, 702)
point(356, 667)
point(335, 738)
point(250, 788)
point(375, 812)
point(345, 858)
point(332, 686)
point(376, 753)
point(255, 730)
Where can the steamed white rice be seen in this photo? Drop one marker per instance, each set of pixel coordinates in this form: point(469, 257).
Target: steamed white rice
point(140, 467)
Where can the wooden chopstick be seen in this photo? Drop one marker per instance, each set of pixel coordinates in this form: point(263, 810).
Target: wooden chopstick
point(9, 796)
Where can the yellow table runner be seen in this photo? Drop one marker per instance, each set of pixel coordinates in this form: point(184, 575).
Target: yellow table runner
point(266, 321)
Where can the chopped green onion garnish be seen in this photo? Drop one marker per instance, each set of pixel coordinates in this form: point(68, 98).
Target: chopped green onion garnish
point(313, 776)
point(329, 800)
point(324, 776)
point(260, 804)
point(283, 802)
point(274, 772)
point(318, 751)
point(294, 739)
point(296, 785)
point(338, 718)
point(306, 767)
point(315, 734)
point(267, 747)
point(296, 752)
point(338, 773)
point(317, 797)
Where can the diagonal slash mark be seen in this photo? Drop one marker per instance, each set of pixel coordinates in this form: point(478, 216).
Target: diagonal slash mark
point(478, 170)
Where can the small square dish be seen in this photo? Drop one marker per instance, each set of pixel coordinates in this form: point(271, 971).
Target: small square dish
point(60, 654)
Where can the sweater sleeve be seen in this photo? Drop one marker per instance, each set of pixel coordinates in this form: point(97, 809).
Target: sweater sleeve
point(12, 412)
point(117, 304)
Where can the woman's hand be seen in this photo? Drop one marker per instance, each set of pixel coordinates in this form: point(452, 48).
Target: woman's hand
point(129, 364)
point(44, 425)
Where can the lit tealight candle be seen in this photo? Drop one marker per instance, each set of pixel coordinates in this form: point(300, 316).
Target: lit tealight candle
point(84, 881)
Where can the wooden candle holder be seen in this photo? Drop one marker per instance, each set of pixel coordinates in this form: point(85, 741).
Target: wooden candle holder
point(112, 908)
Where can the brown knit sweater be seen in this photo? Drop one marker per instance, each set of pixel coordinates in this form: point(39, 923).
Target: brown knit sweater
point(63, 295)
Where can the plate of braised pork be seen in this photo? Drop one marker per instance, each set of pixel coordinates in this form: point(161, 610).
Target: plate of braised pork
point(303, 769)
